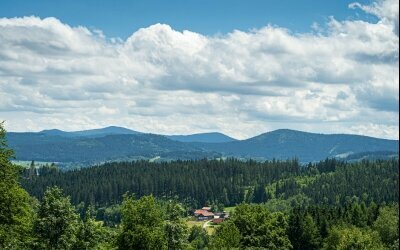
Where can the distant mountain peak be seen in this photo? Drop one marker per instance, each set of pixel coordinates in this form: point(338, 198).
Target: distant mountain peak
point(287, 131)
point(116, 129)
point(110, 130)
point(52, 131)
point(208, 137)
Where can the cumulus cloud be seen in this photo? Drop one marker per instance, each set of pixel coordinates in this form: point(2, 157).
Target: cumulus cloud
point(340, 80)
point(386, 10)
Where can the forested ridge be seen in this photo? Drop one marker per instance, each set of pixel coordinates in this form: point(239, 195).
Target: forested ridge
point(229, 182)
point(85, 148)
point(200, 181)
point(143, 205)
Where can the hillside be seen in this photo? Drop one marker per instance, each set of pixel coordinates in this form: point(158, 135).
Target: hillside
point(95, 146)
point(39, 147)
point(284, 143)
point(202, 137)
point(111, 130)
point(199, 182)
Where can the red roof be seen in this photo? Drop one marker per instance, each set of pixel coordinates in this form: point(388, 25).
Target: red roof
point(203, 213)
point(218, 220)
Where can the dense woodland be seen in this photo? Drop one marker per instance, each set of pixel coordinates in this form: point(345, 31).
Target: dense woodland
point(144, 205)
point(228, 182)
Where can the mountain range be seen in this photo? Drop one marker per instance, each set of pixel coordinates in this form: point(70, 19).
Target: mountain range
point(116, 144)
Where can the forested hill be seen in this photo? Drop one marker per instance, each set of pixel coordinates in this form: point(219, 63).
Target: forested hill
point(285, 143)
point(229, 182)
point(203, 137)
point(119, 144)
point(39, 147)
point(100, 132)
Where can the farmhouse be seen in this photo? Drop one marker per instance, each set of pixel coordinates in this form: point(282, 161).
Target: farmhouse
point(202, 214)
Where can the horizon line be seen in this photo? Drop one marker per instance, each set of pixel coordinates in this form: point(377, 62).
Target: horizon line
point(199, 133)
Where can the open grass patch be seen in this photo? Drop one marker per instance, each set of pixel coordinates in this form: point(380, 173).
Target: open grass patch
point(193, 222)
point(230, 209)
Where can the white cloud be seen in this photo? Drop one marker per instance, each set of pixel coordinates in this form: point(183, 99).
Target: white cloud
point(343, 79)
point(386, 10)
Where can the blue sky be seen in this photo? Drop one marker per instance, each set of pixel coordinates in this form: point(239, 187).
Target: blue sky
point(122, 18)
point(237, 67)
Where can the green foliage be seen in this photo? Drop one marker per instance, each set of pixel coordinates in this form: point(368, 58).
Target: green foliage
point(260, 228)
point(176, 234)
point(284, 205)
point(227, 236)
point(369, 181)
point(198, 238)
point(303, 232)
point(280, 184)
point(217, 207)
point(194, 182)
point(387, 225)
point(359, 215)
point(142, 224)
point(57, 222)
point(16, 211)
point(352, 238)
point(110, 215)
point(91, 234)
point(176, 230)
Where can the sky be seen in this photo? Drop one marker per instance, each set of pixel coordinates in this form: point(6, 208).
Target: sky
point(180, 67)
point(208, 17)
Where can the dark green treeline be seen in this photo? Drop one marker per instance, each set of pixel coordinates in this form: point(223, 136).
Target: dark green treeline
point(197, 182)
point(228, 182)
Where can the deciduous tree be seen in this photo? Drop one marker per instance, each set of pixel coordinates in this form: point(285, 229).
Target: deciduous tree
point(57, 223)
point(142, 224)
point(16, 211)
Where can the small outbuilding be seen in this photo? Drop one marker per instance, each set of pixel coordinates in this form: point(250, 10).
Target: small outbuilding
point(218, 220)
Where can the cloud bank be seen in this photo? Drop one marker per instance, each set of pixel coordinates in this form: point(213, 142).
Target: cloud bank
point(343, 79)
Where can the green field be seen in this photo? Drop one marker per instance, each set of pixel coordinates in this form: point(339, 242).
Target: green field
point(191, 223)
point(230, 209)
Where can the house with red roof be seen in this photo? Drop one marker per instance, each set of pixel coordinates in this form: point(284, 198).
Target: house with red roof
point(202, 214)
